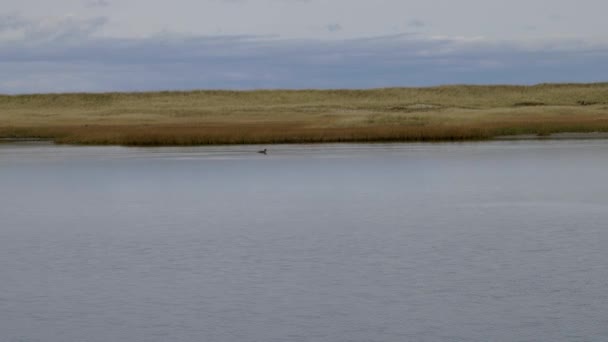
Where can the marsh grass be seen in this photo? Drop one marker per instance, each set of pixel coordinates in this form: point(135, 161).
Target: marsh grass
point(282, 116)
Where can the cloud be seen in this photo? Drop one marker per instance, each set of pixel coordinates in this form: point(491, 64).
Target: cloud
point(232, 1)
point(97, 3)
point(66, 55)
point(55, 29)
point(530, 27)
point(416, 23)
point(334, 27)
point(11, 22)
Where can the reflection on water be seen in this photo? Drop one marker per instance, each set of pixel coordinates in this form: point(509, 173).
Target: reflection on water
point(501, 241)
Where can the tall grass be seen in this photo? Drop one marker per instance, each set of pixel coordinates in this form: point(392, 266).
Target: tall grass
point(281, 116)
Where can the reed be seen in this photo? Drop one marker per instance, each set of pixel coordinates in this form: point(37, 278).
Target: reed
point(284, 116)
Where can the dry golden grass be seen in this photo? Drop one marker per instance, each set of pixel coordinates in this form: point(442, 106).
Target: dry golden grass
point(280, 116)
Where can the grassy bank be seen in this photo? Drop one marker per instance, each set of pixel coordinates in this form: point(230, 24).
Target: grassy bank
point(228, 117)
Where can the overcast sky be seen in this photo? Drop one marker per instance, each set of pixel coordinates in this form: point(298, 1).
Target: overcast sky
point(108, 45)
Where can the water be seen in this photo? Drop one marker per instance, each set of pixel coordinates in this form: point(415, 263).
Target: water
point(500, 241)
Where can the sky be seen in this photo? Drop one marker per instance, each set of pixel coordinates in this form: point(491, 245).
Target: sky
point(138, 45)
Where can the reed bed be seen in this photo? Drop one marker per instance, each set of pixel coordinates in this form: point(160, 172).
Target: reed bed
point(306, 116)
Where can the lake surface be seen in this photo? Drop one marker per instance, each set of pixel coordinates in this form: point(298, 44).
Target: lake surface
point(493, 241)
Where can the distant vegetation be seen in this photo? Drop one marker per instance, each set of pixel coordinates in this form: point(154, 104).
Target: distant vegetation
point(282, 116)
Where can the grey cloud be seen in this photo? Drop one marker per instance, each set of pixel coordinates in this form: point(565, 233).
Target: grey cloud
point(171, 61)
point(232, 1)
point(416, 23)
point(56, 30)
point(68, 30)
point(244, 1)
point(334, 27)
point(11, 22)
point(97, 3)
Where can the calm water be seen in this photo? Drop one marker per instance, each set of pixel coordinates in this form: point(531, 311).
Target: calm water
point(500, 241)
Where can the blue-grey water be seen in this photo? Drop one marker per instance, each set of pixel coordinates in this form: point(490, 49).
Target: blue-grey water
point(494, 241)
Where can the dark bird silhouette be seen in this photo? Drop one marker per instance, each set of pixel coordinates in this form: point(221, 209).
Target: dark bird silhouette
point(263, 151)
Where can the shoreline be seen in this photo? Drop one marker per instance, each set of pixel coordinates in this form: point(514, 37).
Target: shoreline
point(24, 139)
point(554, 136)
point(515, 137)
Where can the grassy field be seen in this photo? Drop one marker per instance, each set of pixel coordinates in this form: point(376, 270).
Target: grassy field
point(281, 116)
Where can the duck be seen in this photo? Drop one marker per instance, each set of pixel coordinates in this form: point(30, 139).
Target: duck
point(263, 151)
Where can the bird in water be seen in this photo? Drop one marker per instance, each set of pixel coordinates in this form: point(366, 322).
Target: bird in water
point(263, 151)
